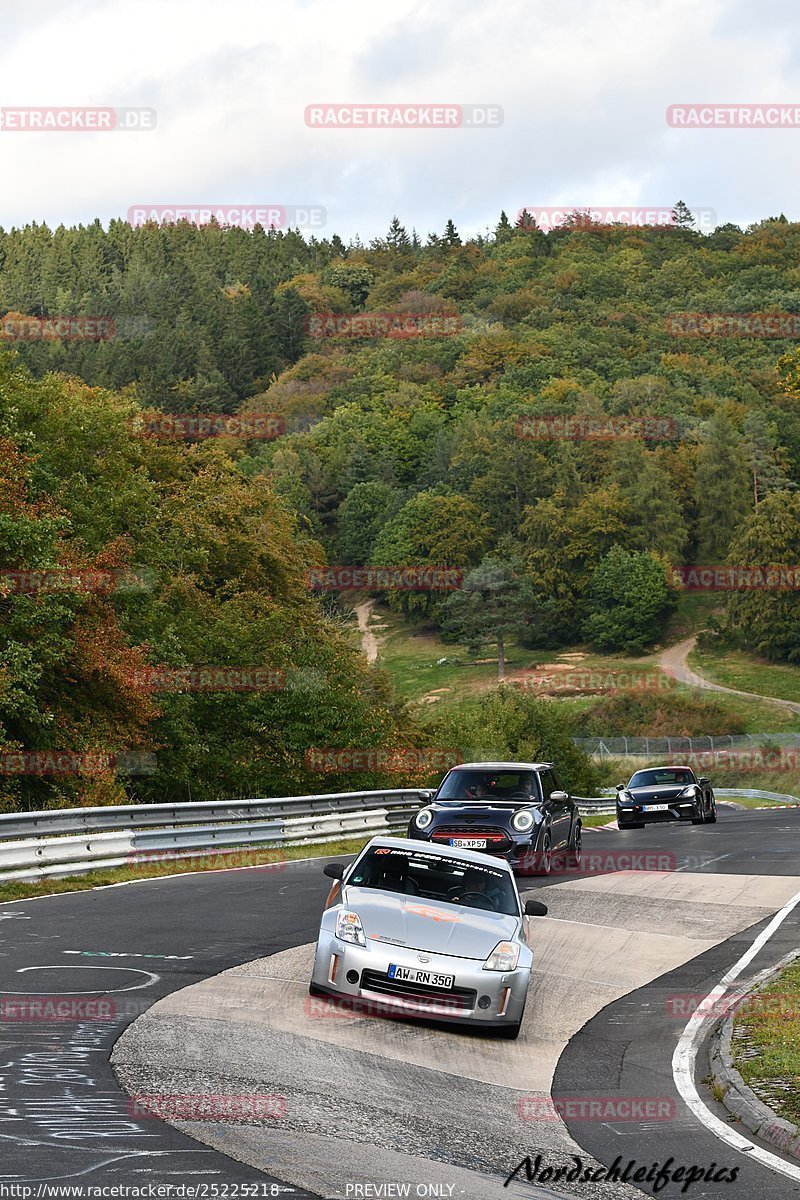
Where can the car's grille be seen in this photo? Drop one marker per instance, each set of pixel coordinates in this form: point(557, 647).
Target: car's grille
point(453, 998)
point(497, 840)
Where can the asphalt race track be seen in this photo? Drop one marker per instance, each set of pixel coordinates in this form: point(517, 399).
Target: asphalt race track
point(215, 968)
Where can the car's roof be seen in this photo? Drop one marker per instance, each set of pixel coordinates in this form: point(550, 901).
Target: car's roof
point(503, 766)
point(665, 767)
point(444, 851)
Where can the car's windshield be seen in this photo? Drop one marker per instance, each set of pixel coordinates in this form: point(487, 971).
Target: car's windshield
point(662, 776)
point(490, 785)
point(430, 876)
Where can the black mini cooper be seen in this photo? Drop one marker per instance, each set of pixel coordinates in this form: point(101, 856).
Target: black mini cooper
point(517, 810)
point(665, 794)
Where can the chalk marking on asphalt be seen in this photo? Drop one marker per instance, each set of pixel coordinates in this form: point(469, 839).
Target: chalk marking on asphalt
point(706, 862)
point(683, 1060)
point(153, 978)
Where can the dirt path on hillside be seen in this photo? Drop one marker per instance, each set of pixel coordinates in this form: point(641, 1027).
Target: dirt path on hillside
point(369, 643)
point(673, 662)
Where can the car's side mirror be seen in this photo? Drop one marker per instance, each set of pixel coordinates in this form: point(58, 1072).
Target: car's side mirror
point(704, 780)
point(535, 908)
point(559, 797)
point(619, 787)
point(335, 870)
point(425, 796)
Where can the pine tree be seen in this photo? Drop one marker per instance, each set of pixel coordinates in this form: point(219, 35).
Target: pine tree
point(722, 487)
point(682, 216)
point(767, 459)
point(451, 234)
point(503, 231)
point(397, 237)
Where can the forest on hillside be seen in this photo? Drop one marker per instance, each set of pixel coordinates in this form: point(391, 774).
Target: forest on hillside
point(431, 433)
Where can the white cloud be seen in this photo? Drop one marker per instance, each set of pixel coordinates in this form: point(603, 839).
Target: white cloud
point(584, 86)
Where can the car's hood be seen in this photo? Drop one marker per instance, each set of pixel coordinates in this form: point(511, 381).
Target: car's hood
point(480, 808)
point(663, 791)
point(428, 925)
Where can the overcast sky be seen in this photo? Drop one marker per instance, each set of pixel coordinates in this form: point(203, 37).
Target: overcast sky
point(584, 88)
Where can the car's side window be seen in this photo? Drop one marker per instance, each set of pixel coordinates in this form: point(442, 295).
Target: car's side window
point(548, 783)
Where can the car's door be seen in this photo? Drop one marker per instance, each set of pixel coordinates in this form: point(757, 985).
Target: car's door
point(559, 811)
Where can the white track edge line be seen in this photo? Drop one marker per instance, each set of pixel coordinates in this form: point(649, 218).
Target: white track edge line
point(683, 1060)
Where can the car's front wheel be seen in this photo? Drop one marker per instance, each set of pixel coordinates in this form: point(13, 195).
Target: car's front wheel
point(543, 859)
point(712, 813)
point(509, 1031)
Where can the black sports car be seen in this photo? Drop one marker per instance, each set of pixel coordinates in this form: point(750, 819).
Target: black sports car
point(517, 810)
point(665, 794)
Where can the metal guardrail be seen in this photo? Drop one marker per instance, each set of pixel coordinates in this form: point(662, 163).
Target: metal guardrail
point(94, 838)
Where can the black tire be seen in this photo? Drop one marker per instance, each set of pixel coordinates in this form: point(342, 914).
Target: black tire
point(543, 858)
point(509, 1032)
point(712, 813)
point(575, 848)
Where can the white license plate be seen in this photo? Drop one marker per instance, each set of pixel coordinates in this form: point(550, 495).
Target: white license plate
point(469, 843)
point(656, 808)
point(413, 975)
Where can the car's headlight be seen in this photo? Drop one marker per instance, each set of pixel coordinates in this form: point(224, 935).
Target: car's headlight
point(349, 928)
point(624, 796)
point(504, 957)
point(691, 790)
point(522, 820)
point(423, 818)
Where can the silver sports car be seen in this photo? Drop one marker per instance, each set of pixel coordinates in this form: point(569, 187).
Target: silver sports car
point(427, 931)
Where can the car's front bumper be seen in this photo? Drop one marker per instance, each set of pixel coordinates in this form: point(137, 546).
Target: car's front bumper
point(478, 996)
point(630, 814)
point(518, 849)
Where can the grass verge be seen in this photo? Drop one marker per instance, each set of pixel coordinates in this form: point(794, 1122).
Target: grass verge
point(748, 673)
point(766, 1044)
